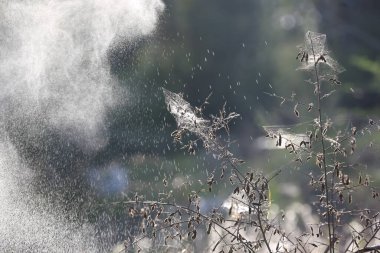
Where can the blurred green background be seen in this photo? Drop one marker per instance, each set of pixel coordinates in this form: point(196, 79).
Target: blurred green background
point(240, 51)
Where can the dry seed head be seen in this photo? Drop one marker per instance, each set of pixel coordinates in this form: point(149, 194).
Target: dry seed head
point(345, 179)
point(354, 130)
point(310, 107)
point(319, 160)
point(194, 234)
point(324, 131)
point(323, 187)
point(296, 112)
point(366, 181)
point(340, 194)
point(209, 228)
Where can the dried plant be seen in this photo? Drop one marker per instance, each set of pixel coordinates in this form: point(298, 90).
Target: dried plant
point(242, 223)
point(331, 150)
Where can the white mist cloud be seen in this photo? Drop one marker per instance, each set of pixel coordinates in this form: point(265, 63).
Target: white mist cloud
point(55, 76)
point(26, 224)
point(53, 59)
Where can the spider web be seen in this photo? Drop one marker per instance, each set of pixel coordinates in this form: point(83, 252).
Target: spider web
point(287, 137)
point(190, 119)
point(315, 48)
point(184, 113)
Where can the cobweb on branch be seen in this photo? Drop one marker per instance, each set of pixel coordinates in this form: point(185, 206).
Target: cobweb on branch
point(315, 44)
point(190, 119)
point(315, 51)
point(184, 113)
point(281, 137)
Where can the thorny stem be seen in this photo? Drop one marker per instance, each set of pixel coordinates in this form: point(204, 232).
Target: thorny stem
point(240, 177)
point(361, 232)
point(329, 217)
point(372, 237)
point(239, 174)
point(262, 229)
point(369, 249)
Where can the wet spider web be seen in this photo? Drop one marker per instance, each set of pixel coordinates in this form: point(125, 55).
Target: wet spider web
point(191, 119)
point(280, 136)
point(296, 136)
point(314, 50)
point(184, 114)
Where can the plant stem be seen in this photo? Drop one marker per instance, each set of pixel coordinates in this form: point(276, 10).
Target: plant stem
point(262, 229)
point(327, 189)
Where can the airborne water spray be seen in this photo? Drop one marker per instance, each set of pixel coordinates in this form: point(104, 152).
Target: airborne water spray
point(55, 78)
